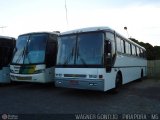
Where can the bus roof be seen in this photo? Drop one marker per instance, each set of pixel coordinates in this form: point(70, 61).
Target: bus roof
point(6, 37)
point(88, 29)
point(101, 28)
point(54, 32)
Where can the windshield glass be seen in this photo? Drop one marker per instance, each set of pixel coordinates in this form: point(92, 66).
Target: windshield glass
point(81, 49)
point(89, 49)
point(20, 45)
point(30, 49)
point(66, 52)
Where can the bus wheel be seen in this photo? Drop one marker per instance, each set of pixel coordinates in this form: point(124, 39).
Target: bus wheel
point(118, 83)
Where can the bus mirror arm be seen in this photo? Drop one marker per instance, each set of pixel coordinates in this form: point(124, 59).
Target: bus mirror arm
point(108, 63)
point(108, 56)
point(108, 48)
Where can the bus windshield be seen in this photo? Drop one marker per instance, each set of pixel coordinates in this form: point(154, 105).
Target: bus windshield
point(30, 49)
point(81, 49)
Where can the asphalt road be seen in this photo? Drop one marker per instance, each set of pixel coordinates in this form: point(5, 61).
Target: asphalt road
point(27, 98)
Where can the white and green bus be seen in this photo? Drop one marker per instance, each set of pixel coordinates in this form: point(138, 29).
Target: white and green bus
point(7, 45)
point(35, 57)
point(98, 58)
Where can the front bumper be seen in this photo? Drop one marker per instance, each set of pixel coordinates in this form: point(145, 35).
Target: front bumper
point(40, 78)
point(88, 84)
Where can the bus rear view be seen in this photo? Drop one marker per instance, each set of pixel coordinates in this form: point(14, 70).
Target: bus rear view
point(7, 45)
point(35, 57)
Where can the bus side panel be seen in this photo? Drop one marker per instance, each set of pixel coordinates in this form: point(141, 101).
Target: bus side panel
point(49, 74)
point(109, 78)
point(4, 75)
point(130, 74)
point(130, 67)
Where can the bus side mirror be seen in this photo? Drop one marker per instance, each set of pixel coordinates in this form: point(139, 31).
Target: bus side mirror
point(107, 46)
point(108, 55)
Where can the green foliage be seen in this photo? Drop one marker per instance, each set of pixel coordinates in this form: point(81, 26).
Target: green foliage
point(157, 52)
point(153, 53)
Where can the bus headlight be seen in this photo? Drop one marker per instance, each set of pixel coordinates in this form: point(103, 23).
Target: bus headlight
point(11, 71)
point(58, 75)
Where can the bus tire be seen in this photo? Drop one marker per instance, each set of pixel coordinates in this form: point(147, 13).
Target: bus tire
point(118, 82)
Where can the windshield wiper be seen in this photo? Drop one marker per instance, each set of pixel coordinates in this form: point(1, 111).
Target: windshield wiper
point(69, 57)
point(82, 60)
point(26, 54)
point(20, 56)
point(79, 56)
point(23, 55)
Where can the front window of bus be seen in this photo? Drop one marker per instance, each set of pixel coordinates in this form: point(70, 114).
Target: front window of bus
point(85, 49)
point(66, 51)
point(36, 49)
point(89, 50)
point(19, 52)
point(30, 49)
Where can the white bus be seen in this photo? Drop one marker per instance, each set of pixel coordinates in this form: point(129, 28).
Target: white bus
point(98, 58)
point(7, 45)
point(35, 57)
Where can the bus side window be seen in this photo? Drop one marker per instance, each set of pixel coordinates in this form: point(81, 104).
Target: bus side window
point(138, 52)
point(128, 48)
point(120, 45)
point(141, 53)
point(110, 36)
point(133, 50)
point(123, 46)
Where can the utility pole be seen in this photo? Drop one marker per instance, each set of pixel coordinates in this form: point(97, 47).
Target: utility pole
point(127, 31)
point(66, 12)
point(2, 27)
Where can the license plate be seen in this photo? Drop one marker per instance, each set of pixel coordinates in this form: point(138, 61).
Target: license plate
point(24, 78)
point(74, 82)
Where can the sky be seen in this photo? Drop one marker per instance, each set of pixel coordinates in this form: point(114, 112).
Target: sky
point(141, 17)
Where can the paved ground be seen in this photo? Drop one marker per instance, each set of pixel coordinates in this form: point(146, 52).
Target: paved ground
point(135, 97)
